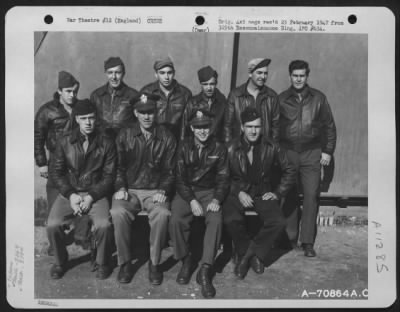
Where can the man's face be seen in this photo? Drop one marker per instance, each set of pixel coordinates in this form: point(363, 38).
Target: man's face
point(201, 133)
point(68, 95)
point(86, 122)
point(298, 78)
point(115, 75)
point(208, 87)
point(259, 76)
point(145, 118)
point(165, 76)
point(252, 130)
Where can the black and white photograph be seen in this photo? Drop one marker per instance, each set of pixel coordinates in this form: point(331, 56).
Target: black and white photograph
point(227, 159)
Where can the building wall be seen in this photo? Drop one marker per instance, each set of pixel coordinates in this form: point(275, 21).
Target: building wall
point(338, 68)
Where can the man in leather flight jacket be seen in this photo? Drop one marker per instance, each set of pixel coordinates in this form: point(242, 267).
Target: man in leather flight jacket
point(173, 96)
point(210, 99)
point(83, 170)
point(308, 133)
point(253, 159)
point(52, 121)
point(145, 178)
point(113, 100)
point(202, 183)
point(253, 93)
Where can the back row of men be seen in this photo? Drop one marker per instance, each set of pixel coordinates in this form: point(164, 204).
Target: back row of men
point(126, 143)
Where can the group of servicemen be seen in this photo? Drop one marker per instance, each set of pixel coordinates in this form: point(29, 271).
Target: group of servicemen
point(177, 157)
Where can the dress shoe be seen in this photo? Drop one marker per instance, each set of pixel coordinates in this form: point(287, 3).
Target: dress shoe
point(155, 275)
point(257, 265)
point(57, 271)
point(203, 278)
point(242, 267)
point(183, 277)
point(125, 273)
point(309, 250)
point(103, 271)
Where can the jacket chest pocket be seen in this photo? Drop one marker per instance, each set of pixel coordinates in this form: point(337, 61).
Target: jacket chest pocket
point(177, 107)
point(212, 160)
point(289, 112)
point(125, 105)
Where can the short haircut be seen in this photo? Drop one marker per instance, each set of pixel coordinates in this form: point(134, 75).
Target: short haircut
point(299, 64)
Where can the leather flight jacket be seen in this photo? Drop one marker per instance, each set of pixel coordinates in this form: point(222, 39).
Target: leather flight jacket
point(73, 170)
point(217, 109)
point(114, 107)
point(170, 109)
point(208, 171)
point(307, 123)
point(277, 174)
point(267, 105)
point(52, 121)
point(146, 164)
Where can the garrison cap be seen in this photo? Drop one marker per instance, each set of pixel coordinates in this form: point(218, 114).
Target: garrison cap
point(145, 102)
point(83, 107)
point(201, 118)
point(249, 114)
point(112, 62)
point(257, 63)
point(161, 63)
point(66, 80)
point(206, 73)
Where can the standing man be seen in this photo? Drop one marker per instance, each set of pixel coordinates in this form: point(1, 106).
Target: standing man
point(251, 161)
point(173, 96)
point(308, 132)
point(209, 99)
point(52, 120)
point(253, 93)
point(113, 100)
point(145, 177)
point(202, 183)
point(83, 170)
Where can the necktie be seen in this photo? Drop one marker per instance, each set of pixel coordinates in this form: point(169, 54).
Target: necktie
point(200, 149)
point(85, 144)
point(250, 154)
point(209, 103)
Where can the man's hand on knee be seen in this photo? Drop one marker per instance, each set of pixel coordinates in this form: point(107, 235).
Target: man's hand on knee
point(269, 196)
point(75, 201)
point(159, 197)
point(213, 205)
point(196, 208)
point(245, 199)
point(122, 194)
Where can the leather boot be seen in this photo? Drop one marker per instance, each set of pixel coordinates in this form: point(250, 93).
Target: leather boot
point(203, 278)
point(257, 265)
point(183, 277)
point(125, 273)
point(155, 274)
point(309, 250)
point(103, 271)
point(57, 271)
point(242, 267)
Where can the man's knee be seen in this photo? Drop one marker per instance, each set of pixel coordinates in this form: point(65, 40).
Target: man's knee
point(102, 224)
point(160, 214)
point(214, 218)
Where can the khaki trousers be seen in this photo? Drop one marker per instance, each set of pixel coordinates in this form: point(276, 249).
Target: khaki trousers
point(123, 213)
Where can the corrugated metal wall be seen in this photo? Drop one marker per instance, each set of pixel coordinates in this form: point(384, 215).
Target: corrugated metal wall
point(338, 68)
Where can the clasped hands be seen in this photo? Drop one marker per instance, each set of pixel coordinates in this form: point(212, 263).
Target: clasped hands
point(80, 204)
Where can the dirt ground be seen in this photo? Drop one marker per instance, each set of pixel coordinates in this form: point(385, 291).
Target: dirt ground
point(341, 264)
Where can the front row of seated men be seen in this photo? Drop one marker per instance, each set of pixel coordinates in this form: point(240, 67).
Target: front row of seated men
point(147, 171)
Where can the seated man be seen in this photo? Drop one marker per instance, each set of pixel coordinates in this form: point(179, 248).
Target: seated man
point(251, 160)
point(83, 170)
point(202, 183)
point(145, 177)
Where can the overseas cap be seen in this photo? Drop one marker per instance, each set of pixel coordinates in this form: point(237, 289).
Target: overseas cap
point(66, 80)
point(161, 63)
point(249, 114)
point(206, 73)
point(145, 102)
point(112, 62)
point(83, 107)
point(257, 63)
point(201, 118)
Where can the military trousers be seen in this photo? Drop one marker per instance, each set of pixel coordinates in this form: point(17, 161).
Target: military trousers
point(62, 215)
point(273, 225)
point(123, 213)
point(180, 227)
